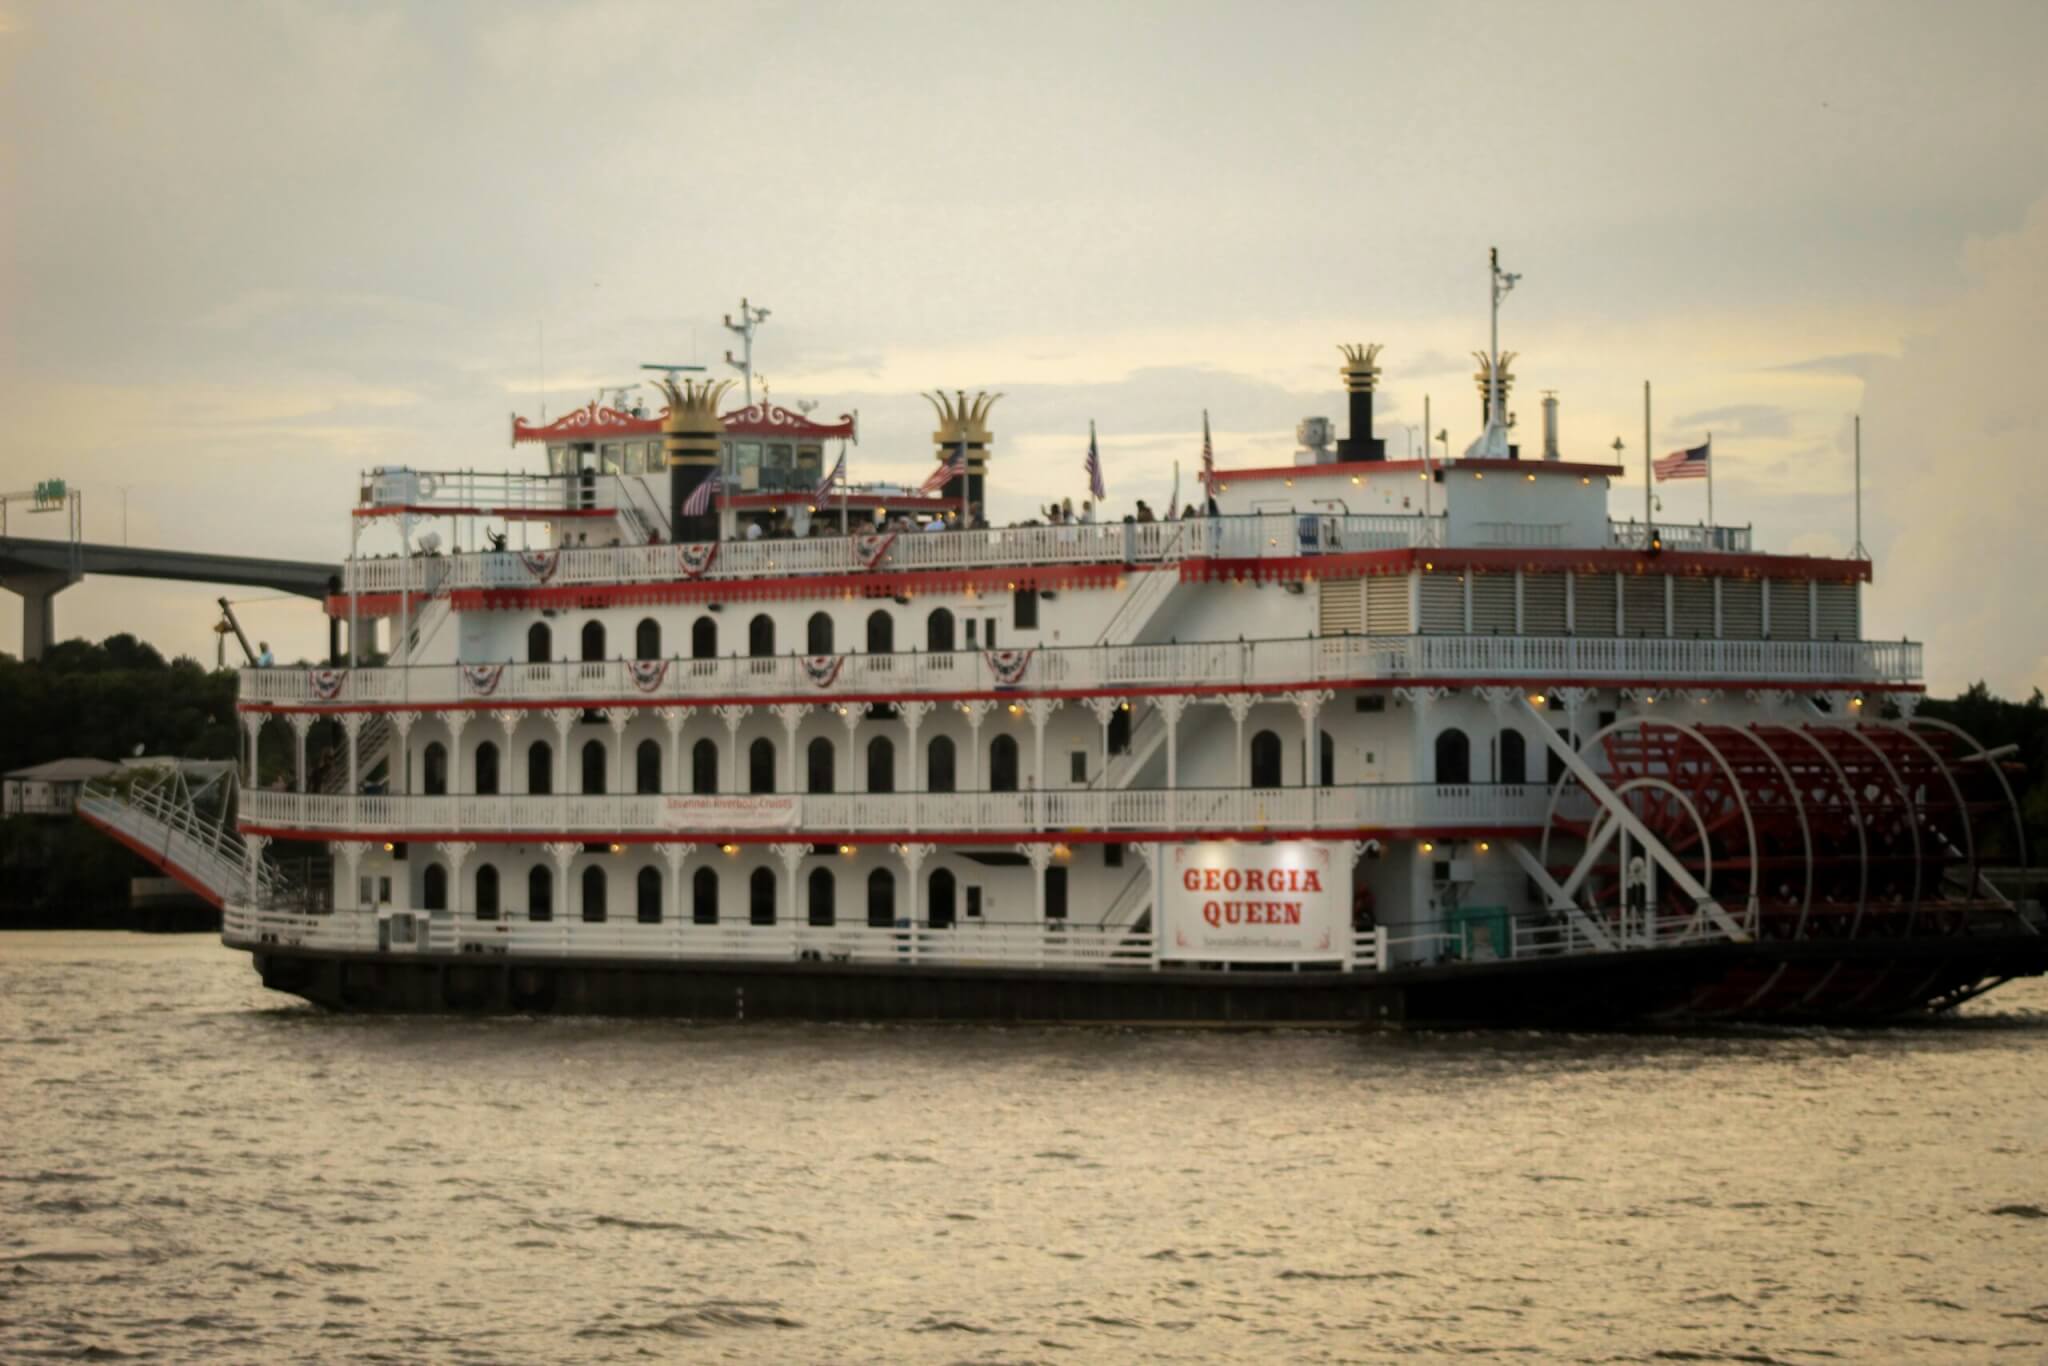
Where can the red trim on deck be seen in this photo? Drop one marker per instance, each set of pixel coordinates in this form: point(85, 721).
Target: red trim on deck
point(594, 596)
point(1348, 468)
point(1662, 686)
point(1076, 836)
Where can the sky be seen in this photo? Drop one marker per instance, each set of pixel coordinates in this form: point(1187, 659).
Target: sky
point(248, 250)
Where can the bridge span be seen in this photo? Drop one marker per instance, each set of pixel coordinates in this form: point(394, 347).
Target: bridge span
point(37, 570)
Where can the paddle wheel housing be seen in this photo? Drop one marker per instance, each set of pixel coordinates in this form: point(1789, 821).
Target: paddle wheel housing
point(1814, 829)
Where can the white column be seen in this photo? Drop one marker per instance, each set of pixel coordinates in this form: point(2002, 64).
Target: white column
point(1170, 707)
point(1104, 708)
point(402, 722)
point(252, 721)
point(673, 718)
point(792, 856)
point(1154, 864)
point(350, 854)
point(732, 713)
point(1310, 705)
point(564, 853)
point(977, 712)
point(674, 855)
point(458, 853)
point(914, 856)
point(913, 714)
point(564, 719)
point(508, 759)
point(301, 722)
point(255, 845)
point(618, 718)
point(1240, 705)
point(1040, 858)
point(458, 721)
point(791, 714)
point(849, 716)
point(352, 730)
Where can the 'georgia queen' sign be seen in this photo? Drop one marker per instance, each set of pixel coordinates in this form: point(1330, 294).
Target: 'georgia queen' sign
point(1255, 903)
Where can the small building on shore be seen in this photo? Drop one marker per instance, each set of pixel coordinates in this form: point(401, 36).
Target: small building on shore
point(50, 789)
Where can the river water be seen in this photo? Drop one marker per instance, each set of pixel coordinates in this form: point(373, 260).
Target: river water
point(192, 1168)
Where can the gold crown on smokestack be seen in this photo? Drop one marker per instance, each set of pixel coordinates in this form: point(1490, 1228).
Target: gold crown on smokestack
point(1361, 367)
point(961, 419)
point(693, 404)
point(1485, 372)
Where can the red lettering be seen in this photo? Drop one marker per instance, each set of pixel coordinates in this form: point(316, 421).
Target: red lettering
point(1212, 913)
point(1192, 880)
point(1309, 881)
point(1255, 880)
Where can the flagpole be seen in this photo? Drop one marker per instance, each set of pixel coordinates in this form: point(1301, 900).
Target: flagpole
point(1428, 472)
point(1710, 486)
point(843, 482)
point(963, 479)
point(1646, 464)
point(1860, 553)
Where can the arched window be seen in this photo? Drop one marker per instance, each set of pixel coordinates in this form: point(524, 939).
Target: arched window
point(938, 765)
point(881, 898)
point(647, 896)
point(1326, 760)
point(824, 897)
point(761, 897)
point(593, 641)
point(434, 770)
point(540, 893)
point(940, 908)
point(647, 767)
point(540, 643)
point(593, 894)
point(647, 639)
point(938, 630)
point(761, 636)
point(881, 633)
point(540, 768)
point(486, 901)
point(704, 638)
point(761, 765)
point(704, 897)
point(704, 766)
point(818, 765)
point(434, 888)
point(881, 764)
point(1453, 756)
point(1514, 757)
point(1265, 759)
point(818, 634)
point(1002, 764)
point(593, 767)
point(487, 769)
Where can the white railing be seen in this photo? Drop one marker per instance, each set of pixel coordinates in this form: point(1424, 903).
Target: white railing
point(174, 832)
point(1634, 535)
point(814, 817)
point(1249, 664)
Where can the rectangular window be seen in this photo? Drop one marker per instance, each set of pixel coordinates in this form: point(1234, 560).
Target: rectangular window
point(383, 891)
point(971, 624)
point(973, 901)
point(366, 890)
point(1079, 767)
point(1371, 701)
point(1024, 609)
point(988, 635)
point(1056, 893)
point(1112, 855)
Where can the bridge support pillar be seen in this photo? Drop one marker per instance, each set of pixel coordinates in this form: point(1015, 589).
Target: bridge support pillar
point(38, 608)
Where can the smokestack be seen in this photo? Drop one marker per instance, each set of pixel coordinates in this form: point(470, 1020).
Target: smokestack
point(1361, 374)
point(690, 439)
point(962, 419)
point(1550, 424)
point(1482, 377)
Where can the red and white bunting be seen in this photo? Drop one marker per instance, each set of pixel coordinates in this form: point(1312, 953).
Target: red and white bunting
point(327, 683)
point(1008, 666)
point(482, 678)
point(872, 546)
point(823, 670)
point(540, 563)
point(695, 560)
point(648, 673)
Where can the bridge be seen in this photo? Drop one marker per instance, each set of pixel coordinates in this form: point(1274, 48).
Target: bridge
point(38, 570)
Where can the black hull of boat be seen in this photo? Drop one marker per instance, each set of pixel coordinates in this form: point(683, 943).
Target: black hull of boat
point(1837, 983)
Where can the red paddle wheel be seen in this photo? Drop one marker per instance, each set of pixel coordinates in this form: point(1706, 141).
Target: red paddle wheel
point(1813, 830)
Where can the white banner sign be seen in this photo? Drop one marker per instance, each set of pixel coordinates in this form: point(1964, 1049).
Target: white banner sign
point(1255, 903)
point(719, 814)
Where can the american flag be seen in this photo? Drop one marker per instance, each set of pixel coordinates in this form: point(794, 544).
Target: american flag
point(1095, 485)
point(1685, 464)
point(699, 501)
point(838, 473)
point(951, 469)
point(1208, 453)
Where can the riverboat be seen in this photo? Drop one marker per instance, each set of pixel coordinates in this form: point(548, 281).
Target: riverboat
point(679, 723)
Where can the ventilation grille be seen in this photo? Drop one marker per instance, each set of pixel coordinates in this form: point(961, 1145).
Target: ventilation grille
point(1593, 604)
point(1341, 612)
point(1692, 608)
point(1386, 606)
point(1443, 604)
point(1493, 604)
point(1791, 613)
point(1645, 604)
point(1838, 616)
point(1543, 604)
point(1742, 609)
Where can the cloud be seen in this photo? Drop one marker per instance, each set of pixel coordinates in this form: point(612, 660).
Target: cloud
point(1742, 420)
point(1953, 436)
point(1856, 365)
